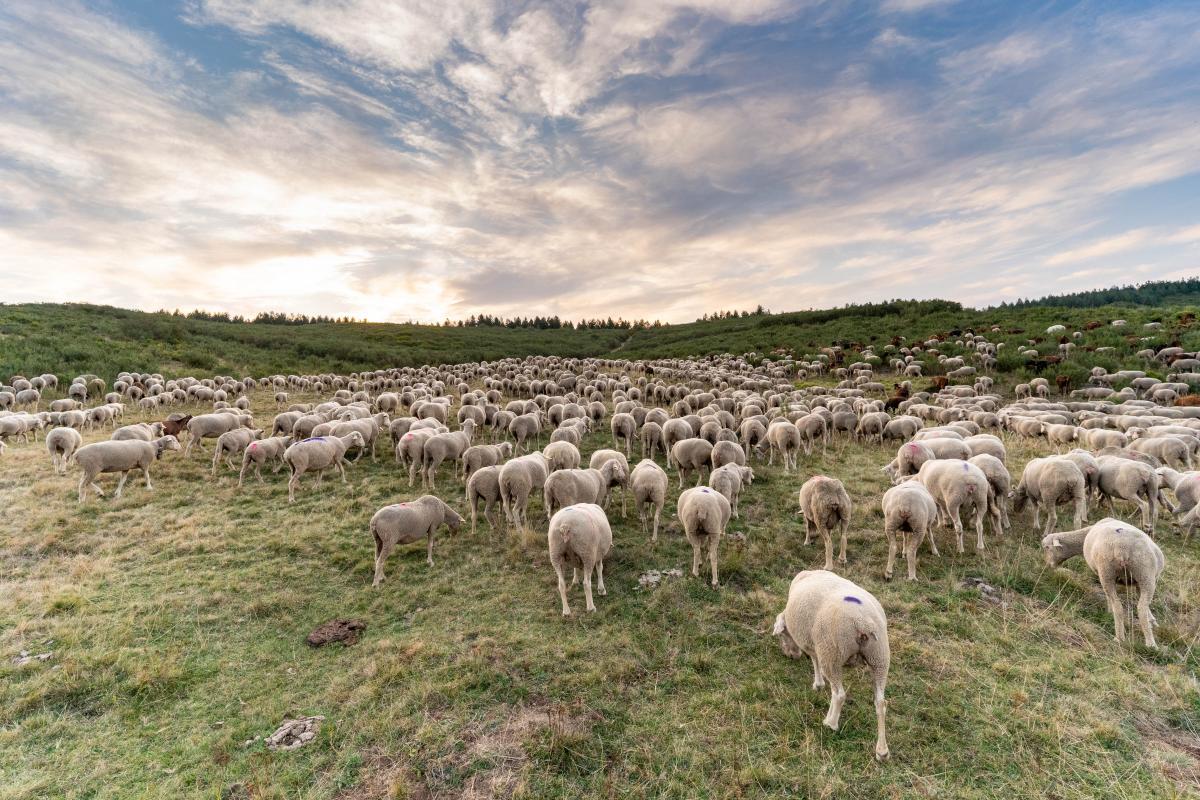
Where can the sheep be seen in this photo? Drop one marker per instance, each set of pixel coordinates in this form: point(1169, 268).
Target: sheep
point(689, 455)
point(123, 457)
point(825, 506)
point(210, 426)
point(444, 447)
point(836, 622)
point(623, 426)
point(1001, 482)
point(484, 484)
point(368, 426)
point(619, 478)
point(524, 427)
point(567, 487)
point(484, 455)
point(1133, 481)
point(729, 480)
point(908, 460)
point(955, 484)
point(410, 450)
point(910, 509)
point(784, 437)
point(259, 452)
point(1171, 451)
point(231, 443)
point(652, 438)
point(1185, 485)
point(319, 454)
point(518, 478)
point(404, 523)
point(62, 444)
point(1049, 482)
point(704, 514)
point(649, 483)
point(142, 431)
point(1119, 554)
point(579, 535)
point(562, 455)
point(724, 452)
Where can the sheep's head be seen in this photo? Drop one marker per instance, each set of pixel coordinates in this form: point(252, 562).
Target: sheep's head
point(453, 519)
point(1053, 550)
point(786, 642)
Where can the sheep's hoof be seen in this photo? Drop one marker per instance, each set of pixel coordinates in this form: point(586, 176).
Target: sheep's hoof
point(887, 576)
point(882, 756)
point(832, 726)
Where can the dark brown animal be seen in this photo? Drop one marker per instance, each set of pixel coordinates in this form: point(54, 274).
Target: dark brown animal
point(1091, 326)
point(939, 382)
point(1188, 400)
point(173, 425)
point(1064, 383)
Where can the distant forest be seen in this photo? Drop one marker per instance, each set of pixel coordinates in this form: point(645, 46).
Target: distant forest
point(1151, 293)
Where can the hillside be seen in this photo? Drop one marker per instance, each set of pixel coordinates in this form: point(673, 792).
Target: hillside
point(70, 339)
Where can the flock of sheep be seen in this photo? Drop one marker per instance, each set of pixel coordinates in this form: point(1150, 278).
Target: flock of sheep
point(710, 420)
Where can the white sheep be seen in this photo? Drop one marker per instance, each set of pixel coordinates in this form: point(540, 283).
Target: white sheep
point(261, 451)
point(1049, 482)
point(123, 457)
point(319, 454)
point(729, 480)
point(484, 485)
point(704, 513)
point(579, 535)
point(230, 444)
point(836, 622)
point(825, 505)
point(956, 485)
point(1119, 554)
point(908, 509)
point(690, 455)
point(404, 523)
point(649, 483)
point(62, 444)
point(518, 479)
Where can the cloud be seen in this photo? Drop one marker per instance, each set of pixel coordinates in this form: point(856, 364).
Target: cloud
point(424, 160)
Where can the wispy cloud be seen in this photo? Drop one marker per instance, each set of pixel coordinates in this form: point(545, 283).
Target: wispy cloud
point(419, 160)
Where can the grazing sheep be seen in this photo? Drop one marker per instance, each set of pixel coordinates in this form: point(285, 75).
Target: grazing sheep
point(62, 444)
point(652, 438)
point(836, 622)
point(404, 523)
point(524, 427)
point(908, 460)
point(954, 485)
point(727, 453)
point(231, 443)
point(1001, 482)
point(444, 447)
point(623, 426)
point(484, 484)
point(691, 455)
point(785, 438)
point(729, 480)
point(485, 455)
point(319, 454)
point(1171, 451)
point(619, 478)
point(518, 478)
point(1050, 482)
point(211, 426)
point(908, 508)
point(261, 451)
point(579, 535)
point(123, 457)
point(562, 455)
point(567, 487)
point(410, 450)
point(825, 506)
point(142, 431)
point(1119, 554)
point(649, 483)
point(704, 513)
point(1185, 485)
point(1132, 481)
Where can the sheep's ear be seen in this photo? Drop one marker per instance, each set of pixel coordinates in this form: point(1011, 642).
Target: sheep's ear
point(779, 626)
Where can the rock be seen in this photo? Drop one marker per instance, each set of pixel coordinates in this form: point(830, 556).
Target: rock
point(25, 657)
point(651, 579)
point(345, 631)
point(986, 590)
point(294, 733)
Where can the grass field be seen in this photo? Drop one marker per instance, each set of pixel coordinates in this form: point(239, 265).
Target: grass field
point(177, 620)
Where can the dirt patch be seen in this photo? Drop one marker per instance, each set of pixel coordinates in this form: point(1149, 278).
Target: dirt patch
point(1178, 753)
point(498, 743)
point(346, 631)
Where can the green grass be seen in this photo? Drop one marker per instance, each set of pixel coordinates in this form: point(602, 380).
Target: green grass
point(74, 339)
point(177, 620)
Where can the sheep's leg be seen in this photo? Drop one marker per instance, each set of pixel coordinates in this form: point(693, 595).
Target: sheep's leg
point(1109, 585)
point(837, 696)
point(912, 541)
point(429, 546)
point(657, 513)
point(382, 551)
point(807, 530)
point(474, 511)
point(600, 578)
point(83, 482)
point(587, 586)
point(1146, 511)
point(890, 532)
point(881, 745)
point(293, 482)
point(714, 540)
point(845, 531)
point(341, 469)
point(827, 535)
point(695, 557)
point(932, 542)
point(1145, 617)
point(623, 493)
point(956, 518)
point(562, 587)
point(818, 675)
point(979, 512)
point(146, 472)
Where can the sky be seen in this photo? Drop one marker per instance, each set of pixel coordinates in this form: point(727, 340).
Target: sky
point(422, 160)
